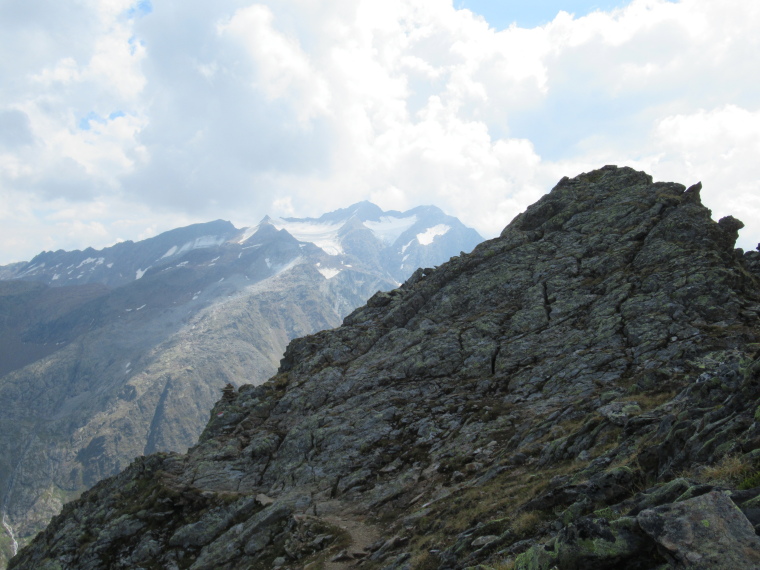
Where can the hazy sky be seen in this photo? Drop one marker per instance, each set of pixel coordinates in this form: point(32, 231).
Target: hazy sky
point(120, 119)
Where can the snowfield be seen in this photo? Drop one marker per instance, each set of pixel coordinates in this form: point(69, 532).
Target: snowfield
point(324, 236)
point(389, 229)
point(427, 237)
point(328, 272)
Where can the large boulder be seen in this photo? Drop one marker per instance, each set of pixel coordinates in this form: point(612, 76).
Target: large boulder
point(707, 532)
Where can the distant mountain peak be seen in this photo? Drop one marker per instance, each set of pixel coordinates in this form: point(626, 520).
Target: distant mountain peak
point(402, 242)
point(365, 210)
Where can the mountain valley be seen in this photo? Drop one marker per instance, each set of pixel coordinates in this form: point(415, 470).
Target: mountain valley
point(114, 354)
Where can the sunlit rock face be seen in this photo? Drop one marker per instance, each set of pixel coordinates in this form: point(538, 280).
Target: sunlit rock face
point(113, 354)
point(580, 392)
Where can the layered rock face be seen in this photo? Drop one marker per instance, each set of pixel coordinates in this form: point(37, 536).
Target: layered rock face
point(581, 392)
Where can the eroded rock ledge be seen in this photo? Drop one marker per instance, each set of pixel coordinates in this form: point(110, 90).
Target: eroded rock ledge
point(580, 392)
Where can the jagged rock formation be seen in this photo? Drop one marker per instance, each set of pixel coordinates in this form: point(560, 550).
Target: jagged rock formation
point(109, 355)
point(581, 392)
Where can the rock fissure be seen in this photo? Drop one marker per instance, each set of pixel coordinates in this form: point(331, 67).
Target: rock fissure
point(547, 303)
point(153, 428)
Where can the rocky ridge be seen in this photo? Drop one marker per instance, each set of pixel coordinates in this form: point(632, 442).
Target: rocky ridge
point(581, 392)
point(109, 355)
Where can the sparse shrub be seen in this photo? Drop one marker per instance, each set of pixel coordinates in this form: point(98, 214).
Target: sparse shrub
point(608, 514)
point(428, 562)
point(751, 482)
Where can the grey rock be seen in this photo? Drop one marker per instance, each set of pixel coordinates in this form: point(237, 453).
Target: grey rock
point(484, 540)
point(619, 412)
point(342, 556)
point(707, 532)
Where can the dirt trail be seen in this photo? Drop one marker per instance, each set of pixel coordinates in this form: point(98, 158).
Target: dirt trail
point(362, 535)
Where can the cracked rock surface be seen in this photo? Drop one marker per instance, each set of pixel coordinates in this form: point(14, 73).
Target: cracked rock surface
point(545, 401)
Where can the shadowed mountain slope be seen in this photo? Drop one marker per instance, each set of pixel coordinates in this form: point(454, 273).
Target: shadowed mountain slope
point(580, 392)
point(108, 355)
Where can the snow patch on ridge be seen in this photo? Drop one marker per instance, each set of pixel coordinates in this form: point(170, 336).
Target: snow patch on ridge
point(279, 269)
point(328, 272)
point(34, 268)
point(248, 232)
point(172, 251)
point(96, 261)
point(427, 237)
point(324, 236)
point(388, 229)
point(198, 243)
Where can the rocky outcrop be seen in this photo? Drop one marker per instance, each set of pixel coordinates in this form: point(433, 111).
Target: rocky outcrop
point(708, 530)
point(579, 392)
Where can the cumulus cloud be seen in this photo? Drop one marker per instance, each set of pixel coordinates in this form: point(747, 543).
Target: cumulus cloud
point(719, 147)
point(175, 112)
point(280, 68)
point(15, 129)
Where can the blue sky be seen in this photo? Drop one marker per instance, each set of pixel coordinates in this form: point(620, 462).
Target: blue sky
point(123, 118)
point(501, 14)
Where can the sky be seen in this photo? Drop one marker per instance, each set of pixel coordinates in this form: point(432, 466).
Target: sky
point(120, 119)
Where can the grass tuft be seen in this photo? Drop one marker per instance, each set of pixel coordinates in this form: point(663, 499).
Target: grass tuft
point(525, 523)
point(730, 470)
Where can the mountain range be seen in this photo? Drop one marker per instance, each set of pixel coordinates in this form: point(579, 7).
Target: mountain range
point(113, 354)
point(580, 392)
point(392, 244)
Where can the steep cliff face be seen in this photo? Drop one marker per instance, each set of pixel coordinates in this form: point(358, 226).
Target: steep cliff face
point(580, 392)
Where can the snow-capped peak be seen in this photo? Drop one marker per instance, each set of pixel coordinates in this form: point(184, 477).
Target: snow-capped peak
point(328, 232)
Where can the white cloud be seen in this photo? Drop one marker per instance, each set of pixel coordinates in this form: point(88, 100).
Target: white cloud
point(719, 147)
point(282, 69)
point(236, 108)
